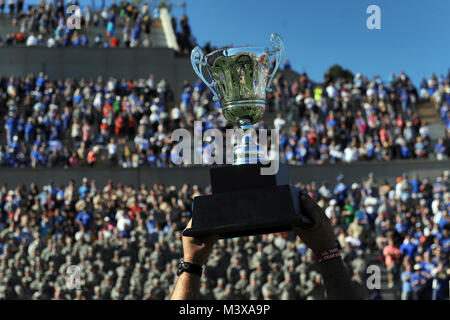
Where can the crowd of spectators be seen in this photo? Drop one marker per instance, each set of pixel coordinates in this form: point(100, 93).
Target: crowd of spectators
point(126, 24)
point(349, 120)
point(125, 242)
point(71, 123)
point(128, 122)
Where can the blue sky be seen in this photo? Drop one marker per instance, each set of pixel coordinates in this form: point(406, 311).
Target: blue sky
point(414, 34)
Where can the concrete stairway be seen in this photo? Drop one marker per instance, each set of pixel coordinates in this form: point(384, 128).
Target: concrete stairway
point(437, 130)
point(429, 114)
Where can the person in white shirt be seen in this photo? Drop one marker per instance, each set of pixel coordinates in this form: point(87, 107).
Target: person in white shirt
point(350, 154)
point(112, 151)
point(122, 220)
point(279, 122)
point(335, 151)
point(332, 210)
point(435, 207)
point(331, 91)
point(424, 130)
point(141, 143)
point(325, 191)
point(175, 113)
point(51, 43)
point(144, 9)
point(31, 41)
point(354, 242)
point(154, 116)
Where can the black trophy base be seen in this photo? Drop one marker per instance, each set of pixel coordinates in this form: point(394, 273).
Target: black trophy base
point(246, 203)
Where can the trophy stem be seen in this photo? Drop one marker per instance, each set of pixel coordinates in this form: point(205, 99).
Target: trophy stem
point(247, 151)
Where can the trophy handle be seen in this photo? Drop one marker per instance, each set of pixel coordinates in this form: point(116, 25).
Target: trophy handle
point(278, 49)
point(198, 61)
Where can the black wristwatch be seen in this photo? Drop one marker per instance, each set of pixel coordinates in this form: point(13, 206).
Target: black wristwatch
point(190, 268)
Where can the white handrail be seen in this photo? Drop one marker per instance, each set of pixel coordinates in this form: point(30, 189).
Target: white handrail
point(169, 33)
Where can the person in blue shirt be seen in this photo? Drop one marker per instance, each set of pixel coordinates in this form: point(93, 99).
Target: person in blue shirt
point(406, 101)
point(443, 110)
point(303, 140)
point(289, 154)
point(302, 153)
point(83, 189)
point(438, 188)
point(427, 265)
point(43, 159)
point(186, 96)
point(163, 157)
point(126, 232)
point(11, 126)
point(84, 219)
point(420, 148)
point(418, 283)
point(151, 222)
point(58, 124)
point(401, 226)
point(370, 148)
point(53, 133)
point(57, 222)
point(60, 195)
point(323, 150)
point(283, 140)
point(15, 144)
point(201, 87)
point(38, 142)
point(445, 240)
point(331, 122)
point(440, 149)
point(376, 295)
point(110, 26)
point(447, 120)
point(341, 190)
point(404, 151)
point(46, 227)
point(29, 131)
point(415, 184)
point(424, 87)
point(84, 40)
point(287, 65)
point(78, 97)
point(41, 80)
point(408, 248)
point(406, 283)
point(67, 118)
point(137, 31)
point(320, 128)
point(76, 42)
point(151, 158)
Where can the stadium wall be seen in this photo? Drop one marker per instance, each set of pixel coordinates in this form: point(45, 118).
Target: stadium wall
point(59, 63)
point(354, 172)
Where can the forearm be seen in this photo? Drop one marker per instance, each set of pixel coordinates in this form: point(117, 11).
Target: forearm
point(336, 280)
point(187, 287)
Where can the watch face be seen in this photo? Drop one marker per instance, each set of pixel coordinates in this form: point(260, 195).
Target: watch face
point(185, 265)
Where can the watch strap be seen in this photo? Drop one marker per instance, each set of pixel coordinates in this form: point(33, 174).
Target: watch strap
point(190, 268)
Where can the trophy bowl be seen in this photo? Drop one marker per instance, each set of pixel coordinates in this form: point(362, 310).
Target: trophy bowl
point(239, 78)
